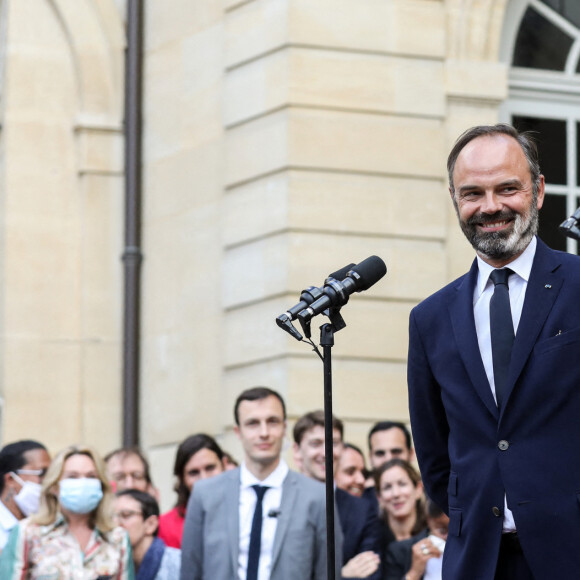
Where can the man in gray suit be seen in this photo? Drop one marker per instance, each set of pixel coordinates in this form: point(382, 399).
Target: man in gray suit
point(262, 502)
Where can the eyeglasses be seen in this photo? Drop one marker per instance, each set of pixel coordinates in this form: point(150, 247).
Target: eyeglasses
point(135, 476)
point(40, 473)
point(126, 514)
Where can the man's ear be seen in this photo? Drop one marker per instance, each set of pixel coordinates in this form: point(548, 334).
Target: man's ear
point(151, 524)
point(9, 485)
point(237, 430)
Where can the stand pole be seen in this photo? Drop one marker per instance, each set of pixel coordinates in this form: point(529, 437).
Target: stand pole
point(327, 342)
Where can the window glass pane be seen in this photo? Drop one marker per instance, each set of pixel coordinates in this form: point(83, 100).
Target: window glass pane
point(550, 136)
point(569, 9)
point(552, 214)
point(540, 44)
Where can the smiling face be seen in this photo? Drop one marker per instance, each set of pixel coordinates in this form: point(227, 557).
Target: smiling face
point(310, 455)
point(398, 494)
point(389, 444)
point(261, 431)
point(494, 198)
point(349, 472)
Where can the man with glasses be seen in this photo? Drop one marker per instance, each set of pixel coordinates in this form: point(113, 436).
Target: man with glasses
point(127, 468)
point(138, 513)
point(22, 468)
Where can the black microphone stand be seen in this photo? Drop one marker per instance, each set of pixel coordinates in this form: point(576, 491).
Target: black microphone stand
point(327, 342)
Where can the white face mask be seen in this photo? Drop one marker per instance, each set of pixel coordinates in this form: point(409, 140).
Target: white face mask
point(28, 498)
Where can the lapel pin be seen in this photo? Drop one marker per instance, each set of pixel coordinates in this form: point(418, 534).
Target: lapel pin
point(548, 286)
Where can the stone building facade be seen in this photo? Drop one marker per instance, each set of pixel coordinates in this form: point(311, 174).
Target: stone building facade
point(283, 139)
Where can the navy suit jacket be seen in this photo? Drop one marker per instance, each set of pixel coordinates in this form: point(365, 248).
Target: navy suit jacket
point(360, 527)
point(471, 454)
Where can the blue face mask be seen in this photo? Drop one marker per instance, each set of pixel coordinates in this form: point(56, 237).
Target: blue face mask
point(81, 495)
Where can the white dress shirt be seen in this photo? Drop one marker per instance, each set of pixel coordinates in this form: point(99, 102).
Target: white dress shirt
point(7, 522)
point(270, 506)
point(484, 289)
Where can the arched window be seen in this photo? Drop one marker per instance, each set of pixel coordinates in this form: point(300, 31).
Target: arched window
point(541, 43)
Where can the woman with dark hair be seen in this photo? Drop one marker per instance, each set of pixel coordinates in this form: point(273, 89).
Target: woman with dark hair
point(198, 457)
point(72, 535)
point(400, 495)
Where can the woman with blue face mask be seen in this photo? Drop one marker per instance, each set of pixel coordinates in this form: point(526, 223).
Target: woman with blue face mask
point(72, 535)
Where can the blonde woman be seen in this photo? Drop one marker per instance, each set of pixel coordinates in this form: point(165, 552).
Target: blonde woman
point(72, 535)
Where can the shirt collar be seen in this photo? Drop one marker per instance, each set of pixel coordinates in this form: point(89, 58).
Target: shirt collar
point(522, 266)
point(275, 479)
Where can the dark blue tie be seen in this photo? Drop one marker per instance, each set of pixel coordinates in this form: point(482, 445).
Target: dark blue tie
point(502, 331)
point(256, 534)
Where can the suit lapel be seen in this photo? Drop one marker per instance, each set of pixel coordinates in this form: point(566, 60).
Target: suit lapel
point(543, 288)
point(233, 517)
point(289, 492)
point(463, 322)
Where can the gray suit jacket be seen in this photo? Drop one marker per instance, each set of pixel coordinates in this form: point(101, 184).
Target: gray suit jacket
point(211, 535)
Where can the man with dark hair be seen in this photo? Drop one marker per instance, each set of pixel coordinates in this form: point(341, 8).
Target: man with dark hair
point(260, 520)
point(198, 457)
point(387, 440)
point(138, 513)
point(257, 394)
point(493, 375)
point(358, 521)
point(22, 468)
point(351, 473)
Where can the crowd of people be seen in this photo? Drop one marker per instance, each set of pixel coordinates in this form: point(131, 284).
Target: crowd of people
point(80, 516)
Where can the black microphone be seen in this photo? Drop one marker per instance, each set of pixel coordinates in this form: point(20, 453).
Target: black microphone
point(274, 513)
point(361, 277)
point(307, 297)
point(570, 227)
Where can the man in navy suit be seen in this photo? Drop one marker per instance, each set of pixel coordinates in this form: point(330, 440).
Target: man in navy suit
point(507, 474)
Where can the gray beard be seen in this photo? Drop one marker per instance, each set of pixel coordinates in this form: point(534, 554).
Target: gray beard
point(502, 245)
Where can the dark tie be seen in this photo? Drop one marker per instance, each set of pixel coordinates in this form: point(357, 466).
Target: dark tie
point(502, 331)
point(256, 534)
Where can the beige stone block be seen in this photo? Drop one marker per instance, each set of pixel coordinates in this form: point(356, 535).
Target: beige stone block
point(333, 79)
point(183, 82)
point(251, 334)
point(100, 150)
point(256, 209)
point(257, 87)
point(271, 266)
point(181, 358)
point(336, 203)
point(164, 106)
point(373, 25)
point(161, 460)
point(42, 393)
point(102, 248)
point(184, 181)
point(256, 148)
point(366, 143)
point(338, 141)
point(478, 80)
point(101, 396)
point(171, 22)
point(255, 28)
point(42, 265)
